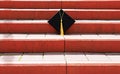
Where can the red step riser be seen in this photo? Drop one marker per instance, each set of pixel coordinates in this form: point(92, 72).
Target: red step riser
point(51, 69)
point(26, 28)
point(32, 46)
point(92, 28)
point(92, 46)
point(58, 5)
point(83, 28)
point(93, 69)
point(32, 69)
point(58, 46)
point(36, 15)
point(82, 15)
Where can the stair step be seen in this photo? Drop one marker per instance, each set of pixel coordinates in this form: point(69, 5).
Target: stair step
point(92, 43)
point(57, 43)
point(60, 63)
point(31, 43)
point(82, 14)
point(42, 26)
point(43, 4)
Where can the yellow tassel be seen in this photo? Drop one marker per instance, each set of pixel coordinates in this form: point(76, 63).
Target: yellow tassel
point(20, 58)
point(61, 28)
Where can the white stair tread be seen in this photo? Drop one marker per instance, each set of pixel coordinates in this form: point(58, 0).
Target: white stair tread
point(18, 36)
point(110, 36)
point(114, 56)
point(53, 36)
point(97, 57)
point(13, 36)
point(54, 56)
point(35, 36)
point(46, 21)
point(58, 37)
point(58, 58)
point(30, 56)
point(93, 37)
point(75, 56)
point(72, 37)
point(90, 36)
point(9, 57)
point(4, 36)
point(31, 36)
point(59, 9)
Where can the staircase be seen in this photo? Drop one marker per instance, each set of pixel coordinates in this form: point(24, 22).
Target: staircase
point(29, 45)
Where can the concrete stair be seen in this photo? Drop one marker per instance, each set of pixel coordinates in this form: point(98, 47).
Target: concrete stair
point(59, 63)
point(29, 45)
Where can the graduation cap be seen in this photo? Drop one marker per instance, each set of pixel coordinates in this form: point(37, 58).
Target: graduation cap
point(61, 22)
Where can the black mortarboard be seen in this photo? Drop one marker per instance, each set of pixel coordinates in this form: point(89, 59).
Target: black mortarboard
point(61, 20)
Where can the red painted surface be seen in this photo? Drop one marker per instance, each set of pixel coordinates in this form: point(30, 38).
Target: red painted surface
point(13, 14)
point(45, 45)
point(3, 28)
point(116, 28)
point(60, 69)
point(26, 28)
point(57, 4)
point(79, 14)
point(94, 28)
point(77, 45)
point(93, 68)
point(91, 4)
point(94, 15)
point(15, 45)
point(49, 45)
point(33, 69)
point(77, 28)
